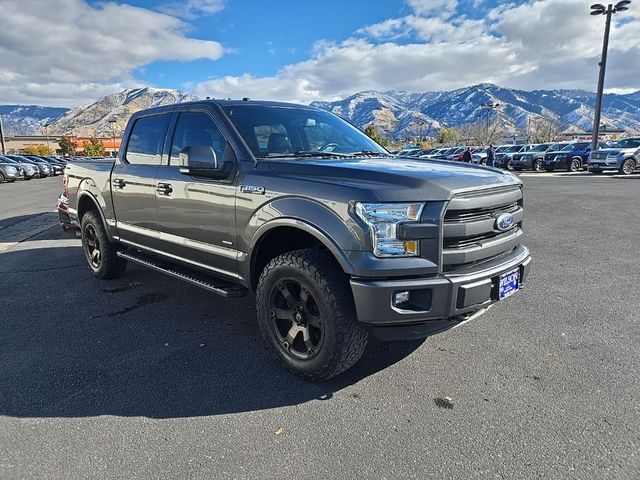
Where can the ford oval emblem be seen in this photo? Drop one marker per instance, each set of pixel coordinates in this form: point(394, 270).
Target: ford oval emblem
point(504, 222)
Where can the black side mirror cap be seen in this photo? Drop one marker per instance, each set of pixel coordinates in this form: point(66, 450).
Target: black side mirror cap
point(202, 161)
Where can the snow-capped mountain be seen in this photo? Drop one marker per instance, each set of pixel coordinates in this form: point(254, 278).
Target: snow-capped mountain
point(399, 114)
point(94, 119)
point(28, 119)
point(395, 114)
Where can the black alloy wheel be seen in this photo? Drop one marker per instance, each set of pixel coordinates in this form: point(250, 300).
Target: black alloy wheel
point(91, 246)
point(295, 319)
point(101, 254)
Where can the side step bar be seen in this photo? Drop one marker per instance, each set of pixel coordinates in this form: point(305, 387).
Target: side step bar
point(202, 280)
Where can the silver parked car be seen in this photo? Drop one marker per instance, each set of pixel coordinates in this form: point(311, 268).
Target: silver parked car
point(623, 156)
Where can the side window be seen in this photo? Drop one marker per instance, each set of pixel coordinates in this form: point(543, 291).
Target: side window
point(146, 140)
point(196, 129)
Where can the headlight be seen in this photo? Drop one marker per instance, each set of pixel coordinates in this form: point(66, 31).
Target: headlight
point(11, 170)
point(383, 220)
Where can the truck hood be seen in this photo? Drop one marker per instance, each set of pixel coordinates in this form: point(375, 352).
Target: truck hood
point(397, 179)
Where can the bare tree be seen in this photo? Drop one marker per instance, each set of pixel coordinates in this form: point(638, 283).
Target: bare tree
point(545, 128)
point(482, 133)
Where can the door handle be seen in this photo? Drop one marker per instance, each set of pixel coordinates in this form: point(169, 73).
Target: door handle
point(164, 189)
point(119, 183)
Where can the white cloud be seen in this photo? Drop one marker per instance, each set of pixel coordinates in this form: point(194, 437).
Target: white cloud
point(538, 44)
point(192, 8)
point(432, 7)
point(68, 52)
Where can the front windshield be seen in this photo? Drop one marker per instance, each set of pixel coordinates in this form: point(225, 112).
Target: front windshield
point(628, 143)
point(275, 131)
point(512, 149)
point(572, 147)
point(540, 148)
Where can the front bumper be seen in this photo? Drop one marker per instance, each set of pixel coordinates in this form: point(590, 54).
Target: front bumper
point(441, 302)
point(603, 165)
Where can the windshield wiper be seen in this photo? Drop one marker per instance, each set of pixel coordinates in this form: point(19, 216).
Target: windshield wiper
point(307, 153)
point(363, 153)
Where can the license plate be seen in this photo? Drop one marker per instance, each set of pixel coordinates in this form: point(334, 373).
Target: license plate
point(509, 284)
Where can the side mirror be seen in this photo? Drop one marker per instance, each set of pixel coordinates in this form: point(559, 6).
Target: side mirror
point(199, 161)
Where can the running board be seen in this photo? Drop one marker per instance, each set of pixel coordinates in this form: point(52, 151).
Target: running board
point(202, 280)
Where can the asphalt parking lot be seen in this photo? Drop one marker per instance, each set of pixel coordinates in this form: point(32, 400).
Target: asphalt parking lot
point(147, 377)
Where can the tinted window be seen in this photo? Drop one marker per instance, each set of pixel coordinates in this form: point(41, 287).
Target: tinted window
point(628, 143)
point(274, 131)
point(196, 129)
point(146, 140)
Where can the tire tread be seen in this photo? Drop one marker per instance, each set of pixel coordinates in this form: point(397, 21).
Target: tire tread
point(351, 336)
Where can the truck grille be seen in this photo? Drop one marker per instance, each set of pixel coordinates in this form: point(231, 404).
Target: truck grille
point(470, 234)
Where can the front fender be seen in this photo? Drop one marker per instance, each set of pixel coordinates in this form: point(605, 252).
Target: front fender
point(333, 227)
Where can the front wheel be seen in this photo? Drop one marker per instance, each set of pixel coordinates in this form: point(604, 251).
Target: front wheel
point(101, 254)
point(627, 167)
point(307, 316)
point(1, 178)
point(537, 165)
point(575, 165)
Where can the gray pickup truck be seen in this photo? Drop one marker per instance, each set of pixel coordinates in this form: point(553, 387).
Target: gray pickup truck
point(338, 238)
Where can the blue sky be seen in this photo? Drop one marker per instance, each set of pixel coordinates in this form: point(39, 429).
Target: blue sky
point(304, 51)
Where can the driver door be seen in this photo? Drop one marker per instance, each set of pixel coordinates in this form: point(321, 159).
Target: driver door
point(196, 216)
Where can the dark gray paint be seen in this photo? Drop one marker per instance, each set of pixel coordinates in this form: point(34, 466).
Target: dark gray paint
point(216, 225)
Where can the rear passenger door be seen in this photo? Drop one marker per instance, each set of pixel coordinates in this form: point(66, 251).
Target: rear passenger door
point(196, 215)
point(133, 181)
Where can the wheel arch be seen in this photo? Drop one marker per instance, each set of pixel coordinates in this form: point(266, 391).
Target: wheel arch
point(87, 202)
point(287, 234)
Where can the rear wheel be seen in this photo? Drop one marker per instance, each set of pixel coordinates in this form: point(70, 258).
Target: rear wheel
point(307, 316)
point(627, 167)
point(101, 254)
point(575, 165)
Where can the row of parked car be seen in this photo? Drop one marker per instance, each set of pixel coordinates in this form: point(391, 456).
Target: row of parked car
point(623, 156)
point(26, 167)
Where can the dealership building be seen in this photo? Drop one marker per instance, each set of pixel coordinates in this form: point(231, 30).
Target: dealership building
point(17, 144)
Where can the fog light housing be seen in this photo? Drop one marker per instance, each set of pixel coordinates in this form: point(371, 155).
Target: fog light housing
point(400, 297)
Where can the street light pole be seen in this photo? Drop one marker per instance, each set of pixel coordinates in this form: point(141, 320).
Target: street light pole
point(2, 146)
point(489, 107)
point(46, 132)
point(598, 9)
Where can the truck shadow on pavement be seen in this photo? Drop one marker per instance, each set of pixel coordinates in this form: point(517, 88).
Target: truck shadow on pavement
point(143, 345)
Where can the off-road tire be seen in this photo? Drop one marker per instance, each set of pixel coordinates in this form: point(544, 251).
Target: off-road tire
point(344, 339)
point(109, 264)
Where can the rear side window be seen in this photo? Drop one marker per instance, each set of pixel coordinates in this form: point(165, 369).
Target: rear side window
point(146, 140)
point(196, 129)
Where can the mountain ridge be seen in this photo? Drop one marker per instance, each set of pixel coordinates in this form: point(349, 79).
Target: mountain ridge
point(394, 113)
